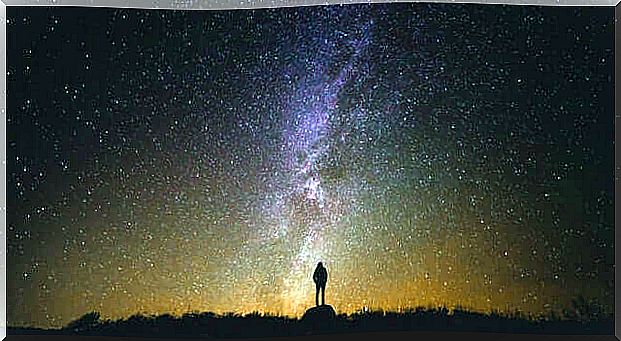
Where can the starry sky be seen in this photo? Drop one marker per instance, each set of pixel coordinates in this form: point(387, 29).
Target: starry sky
point(428, 154)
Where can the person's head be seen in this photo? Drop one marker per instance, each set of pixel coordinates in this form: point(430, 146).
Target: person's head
point(320, 265)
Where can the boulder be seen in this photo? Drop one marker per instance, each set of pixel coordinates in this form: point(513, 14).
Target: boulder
point(319, 318)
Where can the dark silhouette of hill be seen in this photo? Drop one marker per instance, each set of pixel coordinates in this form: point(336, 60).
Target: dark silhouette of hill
point(321, 321)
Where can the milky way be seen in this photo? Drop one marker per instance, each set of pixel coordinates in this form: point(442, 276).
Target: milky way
point(170, 161)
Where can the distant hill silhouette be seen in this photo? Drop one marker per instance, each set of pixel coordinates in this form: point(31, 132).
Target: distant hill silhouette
point(322, 319)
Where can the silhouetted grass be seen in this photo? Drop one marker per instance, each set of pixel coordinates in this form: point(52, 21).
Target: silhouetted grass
point(207, 324)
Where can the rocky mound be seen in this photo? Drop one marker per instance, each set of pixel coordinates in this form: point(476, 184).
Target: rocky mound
point(320, 318)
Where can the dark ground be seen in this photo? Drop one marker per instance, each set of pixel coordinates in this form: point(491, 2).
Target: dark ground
point(418, 336)
point(322, 322)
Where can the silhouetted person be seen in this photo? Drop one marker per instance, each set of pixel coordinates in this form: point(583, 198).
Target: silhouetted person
point(320, 277)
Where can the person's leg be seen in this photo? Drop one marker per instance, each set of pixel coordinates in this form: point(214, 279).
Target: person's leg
point(317, 294)
point(323, 294)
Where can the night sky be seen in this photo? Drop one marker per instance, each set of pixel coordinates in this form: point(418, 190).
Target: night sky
point(174, 161)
